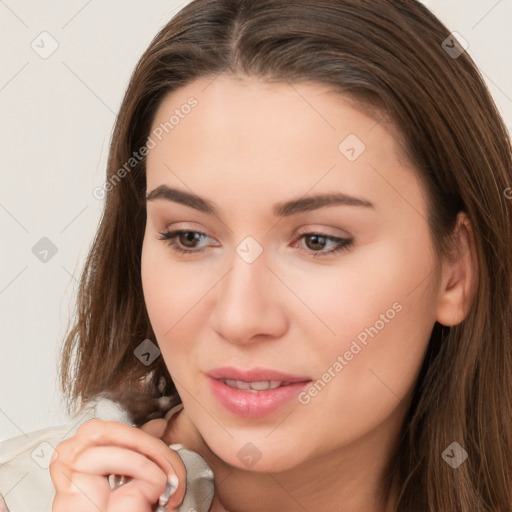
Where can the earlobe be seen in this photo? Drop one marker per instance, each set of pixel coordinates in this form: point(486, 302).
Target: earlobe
point(459, 275)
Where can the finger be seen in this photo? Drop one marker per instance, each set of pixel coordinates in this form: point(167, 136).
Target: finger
point(88, 489)
point(178, 486)
point(155, 428)
point(170, 413)
point(96, 432)
point(165, 501)
point(78, 492)
point(114, 460)
point(174, 492)
point(128, 499)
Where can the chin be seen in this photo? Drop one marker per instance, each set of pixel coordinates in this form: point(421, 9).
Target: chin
point(258, 455)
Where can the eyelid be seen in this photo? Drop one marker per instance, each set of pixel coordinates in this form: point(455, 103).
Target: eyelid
point(325, 230)
point(202, 234)
point(341, 243)
point(172, 227)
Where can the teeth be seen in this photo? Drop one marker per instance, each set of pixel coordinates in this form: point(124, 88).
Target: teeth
point(253, 386)
point(239, 384)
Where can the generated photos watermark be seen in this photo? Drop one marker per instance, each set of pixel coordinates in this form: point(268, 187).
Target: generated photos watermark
point(137, 156)
point(357, 345)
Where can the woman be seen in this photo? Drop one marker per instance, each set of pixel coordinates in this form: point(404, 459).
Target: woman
point(306, 245)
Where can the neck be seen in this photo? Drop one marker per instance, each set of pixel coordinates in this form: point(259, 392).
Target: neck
point(339, 481)
point(352, 477)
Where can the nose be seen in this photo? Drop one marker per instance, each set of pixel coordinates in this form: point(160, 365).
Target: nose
point(249, 303)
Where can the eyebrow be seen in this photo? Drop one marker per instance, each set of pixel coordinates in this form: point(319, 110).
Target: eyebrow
point(284, 209)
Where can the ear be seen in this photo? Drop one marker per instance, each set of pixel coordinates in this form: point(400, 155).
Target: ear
point(458, 275)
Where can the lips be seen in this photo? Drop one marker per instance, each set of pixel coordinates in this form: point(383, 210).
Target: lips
point(256, 392)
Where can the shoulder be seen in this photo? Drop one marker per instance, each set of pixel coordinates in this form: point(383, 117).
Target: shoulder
point(25, 482)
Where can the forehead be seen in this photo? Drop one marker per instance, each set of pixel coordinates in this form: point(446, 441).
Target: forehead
point(226, 102)
point(245, 106)
point(275, 136)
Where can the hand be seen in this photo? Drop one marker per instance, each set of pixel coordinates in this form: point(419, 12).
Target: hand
point(80, 466)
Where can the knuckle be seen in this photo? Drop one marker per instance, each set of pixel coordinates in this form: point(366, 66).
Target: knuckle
point(93, 429)
point(67, 451)
point(63, 445)
point(53, 470)
point(61, 454)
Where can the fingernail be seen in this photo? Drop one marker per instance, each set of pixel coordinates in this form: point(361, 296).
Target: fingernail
point(170, 489)
point(116, 481)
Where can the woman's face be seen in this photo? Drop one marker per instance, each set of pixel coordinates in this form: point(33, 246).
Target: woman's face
point(338, 294)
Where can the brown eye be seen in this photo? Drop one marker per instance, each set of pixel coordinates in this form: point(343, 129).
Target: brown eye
point(188, 238)
point(316, 241)
point(182, 241)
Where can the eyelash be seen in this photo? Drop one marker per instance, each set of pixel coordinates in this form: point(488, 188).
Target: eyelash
point(344, 244)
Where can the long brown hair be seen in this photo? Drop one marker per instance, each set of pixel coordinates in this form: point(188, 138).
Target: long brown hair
point(392, 57)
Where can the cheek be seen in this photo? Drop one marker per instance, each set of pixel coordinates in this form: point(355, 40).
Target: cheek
point(174, 295)
point(374, 280)
point(152, 276)
point(171, 289)
point(382, 312)
point(161, 292)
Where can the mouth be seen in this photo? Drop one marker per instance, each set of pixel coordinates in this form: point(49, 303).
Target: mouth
point(255, 375)
point(256, 392)
point(256, 386)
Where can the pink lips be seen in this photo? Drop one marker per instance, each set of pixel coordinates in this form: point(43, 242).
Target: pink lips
point(254, 404)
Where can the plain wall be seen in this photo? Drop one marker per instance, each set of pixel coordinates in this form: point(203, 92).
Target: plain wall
point(57, 114)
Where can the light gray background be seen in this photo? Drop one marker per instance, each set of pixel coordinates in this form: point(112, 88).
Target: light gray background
point(56, 120)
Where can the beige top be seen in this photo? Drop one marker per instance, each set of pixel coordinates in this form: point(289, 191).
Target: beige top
point(25, 482)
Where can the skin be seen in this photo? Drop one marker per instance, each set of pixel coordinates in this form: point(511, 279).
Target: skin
point(246, 146)
point(79, 466)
